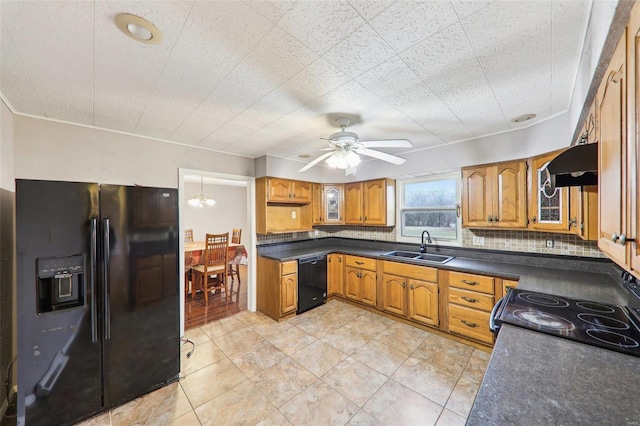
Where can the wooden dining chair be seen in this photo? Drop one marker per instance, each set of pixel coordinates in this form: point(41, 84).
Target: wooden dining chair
point(188, 261)
point(211, 275)
point(236, 235)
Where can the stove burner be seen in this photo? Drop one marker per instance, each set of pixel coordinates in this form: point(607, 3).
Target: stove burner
point(602, 321)
point(595, 307)
point(544, 320)
point(543, 300)
point(613, 338)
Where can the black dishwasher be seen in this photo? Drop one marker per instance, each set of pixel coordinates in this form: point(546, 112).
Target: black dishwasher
point(312, 282)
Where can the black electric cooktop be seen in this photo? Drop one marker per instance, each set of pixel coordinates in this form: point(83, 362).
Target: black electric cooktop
point(598, 324)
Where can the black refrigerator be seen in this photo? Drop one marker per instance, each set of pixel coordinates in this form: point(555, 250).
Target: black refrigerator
point(98, 297)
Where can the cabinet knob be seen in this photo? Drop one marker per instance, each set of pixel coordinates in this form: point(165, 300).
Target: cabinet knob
point(614, 237)
point(360, 218)
point(573, 222)
point(403, 285)
point(534, 219)
point(489, 219)
point(624, 239)
point(411, 286)
point(365, 218)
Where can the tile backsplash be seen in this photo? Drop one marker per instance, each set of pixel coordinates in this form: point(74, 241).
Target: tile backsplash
point(505, 240)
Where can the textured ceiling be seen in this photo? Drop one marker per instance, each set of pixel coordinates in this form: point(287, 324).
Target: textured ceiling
point(269, 77)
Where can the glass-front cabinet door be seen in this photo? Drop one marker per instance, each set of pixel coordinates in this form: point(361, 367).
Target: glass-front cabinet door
point(334, 204)
point(549, 205)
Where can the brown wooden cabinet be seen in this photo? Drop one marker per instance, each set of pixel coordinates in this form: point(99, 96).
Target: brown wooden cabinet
point(277, 288)
point(471, 298)
point(370, 202)
point(317, 204)
point(507, 284)
point(274, 214)
point(633, 173)
point(583, 211)
point(410, 291)
point(612, 168)
point(360, 279)
point(548, 209)
point(288, 191)
point(335, 274)
point(495, 195)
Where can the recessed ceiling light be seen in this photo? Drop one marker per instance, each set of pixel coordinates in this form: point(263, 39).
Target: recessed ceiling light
point(138, 28)
point(523, 117)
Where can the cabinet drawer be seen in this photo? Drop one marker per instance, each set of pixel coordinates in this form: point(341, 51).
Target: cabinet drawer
point(360, 262)
point(470, 323)
point(423, 273)
point(471, 299)
point(471, 282)
point(290, 267)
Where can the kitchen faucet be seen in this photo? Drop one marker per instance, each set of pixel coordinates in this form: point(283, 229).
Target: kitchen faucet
point(423, 246)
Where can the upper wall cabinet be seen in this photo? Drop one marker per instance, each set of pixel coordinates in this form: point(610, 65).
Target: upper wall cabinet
point(370, 203)
point(333, 204)
point(613, 174)
point(495, 195)
point(288, 191)
point(633, 35)
point(548, 209)
point(317, 204)
point(274, 214)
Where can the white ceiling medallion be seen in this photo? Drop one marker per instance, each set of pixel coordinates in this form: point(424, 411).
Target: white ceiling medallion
point(138, 28)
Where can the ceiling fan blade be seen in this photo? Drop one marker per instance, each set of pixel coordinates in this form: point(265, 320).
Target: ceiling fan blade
point(387, 143)
point(316, 161)
point(381, 156)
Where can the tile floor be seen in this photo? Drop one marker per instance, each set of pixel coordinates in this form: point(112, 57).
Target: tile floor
point(334, 365)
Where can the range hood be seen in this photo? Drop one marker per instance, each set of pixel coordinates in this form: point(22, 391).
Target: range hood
point(576, 166)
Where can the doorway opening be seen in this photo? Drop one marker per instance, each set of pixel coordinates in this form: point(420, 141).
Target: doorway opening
point(233, 209)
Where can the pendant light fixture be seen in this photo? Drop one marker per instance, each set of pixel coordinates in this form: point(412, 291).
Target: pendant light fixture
point(201, 199)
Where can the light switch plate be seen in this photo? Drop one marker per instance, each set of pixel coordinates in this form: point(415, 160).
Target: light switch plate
point(549, 243)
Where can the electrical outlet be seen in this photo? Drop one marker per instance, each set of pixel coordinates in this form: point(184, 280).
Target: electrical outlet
point(316, 233)
point(293, 214)
point(478, 241)
point(549, 243)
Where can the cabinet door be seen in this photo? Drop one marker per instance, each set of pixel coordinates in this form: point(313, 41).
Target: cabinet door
point(476, 197)
point(352, 283)
point(549, 210)
point(633, 192)
point(510, 195)
point(317, 204)
point(423, 301)
point(279, 190)
point(301, 191)
point(583, 211)
point(368, 287)
point(394, 296)
point(289, 293)
point(333, 208)
point(335, 281)
point(353, 203)
point(374, 202)
point(612, 157)
point(507, 284)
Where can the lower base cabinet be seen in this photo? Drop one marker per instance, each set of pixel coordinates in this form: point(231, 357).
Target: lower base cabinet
point(360, 279)
point(410, 291)
point(277, 288)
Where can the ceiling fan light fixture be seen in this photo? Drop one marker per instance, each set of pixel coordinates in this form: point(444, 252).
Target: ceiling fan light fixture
point(343, 159)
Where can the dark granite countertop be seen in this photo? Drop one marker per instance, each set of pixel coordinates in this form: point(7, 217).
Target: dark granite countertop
point(537, 379)
point(532, 378)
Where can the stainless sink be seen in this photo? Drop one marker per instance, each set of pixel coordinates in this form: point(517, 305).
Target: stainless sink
point(421, 257)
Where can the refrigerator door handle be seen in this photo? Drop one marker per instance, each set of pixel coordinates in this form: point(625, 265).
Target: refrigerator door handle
point(92, 284)
point(105, 279)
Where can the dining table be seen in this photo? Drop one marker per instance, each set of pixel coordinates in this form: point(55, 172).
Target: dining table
point(194, 250)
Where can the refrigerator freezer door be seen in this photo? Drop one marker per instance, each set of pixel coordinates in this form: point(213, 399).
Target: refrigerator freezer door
point(59, 354)
point(140, 278)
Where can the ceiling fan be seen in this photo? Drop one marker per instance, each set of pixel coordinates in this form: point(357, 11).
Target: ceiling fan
point(345, 147)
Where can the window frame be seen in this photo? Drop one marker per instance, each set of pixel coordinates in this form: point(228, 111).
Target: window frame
point(400, 183)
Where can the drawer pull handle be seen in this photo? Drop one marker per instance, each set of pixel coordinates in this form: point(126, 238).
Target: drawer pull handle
point(359, 263)
point(469, 324)
point(470, 282)
point(469, 299)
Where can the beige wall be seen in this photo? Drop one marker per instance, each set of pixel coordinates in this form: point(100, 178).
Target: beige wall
point(58, 151)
